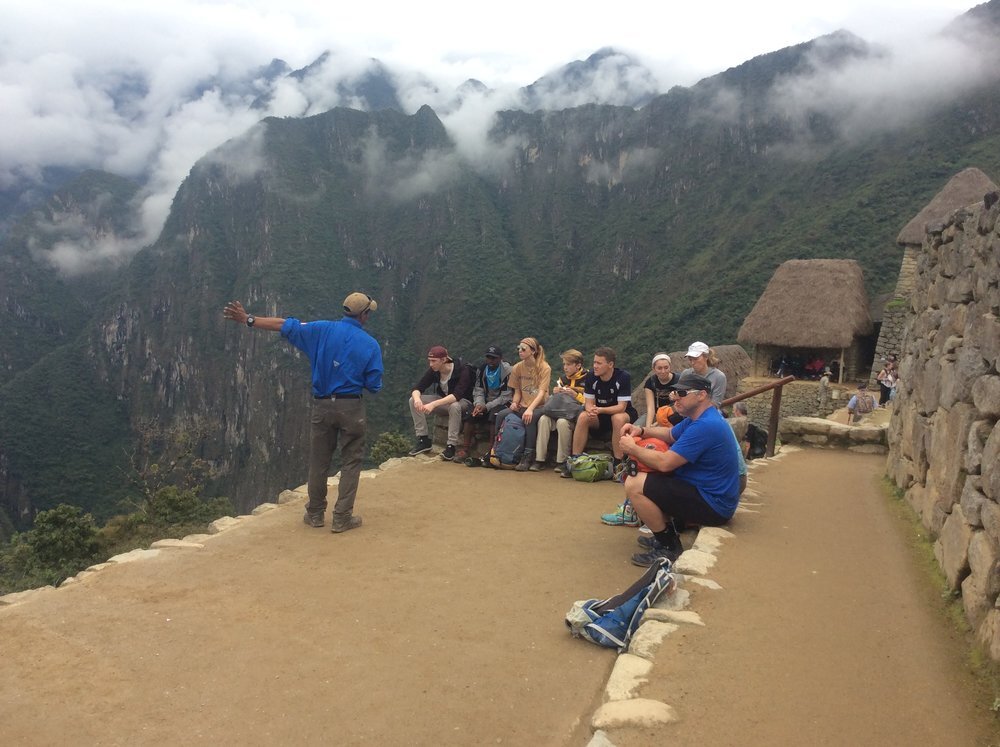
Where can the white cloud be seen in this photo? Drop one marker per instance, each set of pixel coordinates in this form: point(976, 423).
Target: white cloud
point(145, 90)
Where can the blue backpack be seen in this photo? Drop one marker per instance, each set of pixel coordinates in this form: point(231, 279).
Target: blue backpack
point(508, 446)
point(612, 622)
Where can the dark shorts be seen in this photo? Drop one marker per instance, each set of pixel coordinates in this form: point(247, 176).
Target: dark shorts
point(603, 429)
point(680, 500)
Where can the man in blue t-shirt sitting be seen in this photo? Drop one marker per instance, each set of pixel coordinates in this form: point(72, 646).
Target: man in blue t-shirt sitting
point(697, 481)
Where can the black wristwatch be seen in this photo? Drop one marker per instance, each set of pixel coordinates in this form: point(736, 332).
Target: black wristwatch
point(250, 320)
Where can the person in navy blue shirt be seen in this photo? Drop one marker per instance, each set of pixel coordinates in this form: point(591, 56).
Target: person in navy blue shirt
point(345, 361)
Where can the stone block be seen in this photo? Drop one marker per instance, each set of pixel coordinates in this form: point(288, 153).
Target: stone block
point(711, 538)
point(986, 396)
point(974, 600)
point(686, 617)
point(990, 468)
point(175, 543)
point(197, 538)
point(645, 642)
point(869, 449)
point(952, 548)
point(223, 524)
point(984, 330)
point(972, 501)
point(694, 561)
point(628, 674)
point(292, 496)
point(989, 517)
point(868, 434)
point(133, 555)
point(958, 378)
point(978, 433)
point(678, 599)
point(392, 463)
point(19, 597)
point(950, 437)
point(988, 633)
point(600, 739)
point(263, 508)
point(984, 563)
point(638, 712)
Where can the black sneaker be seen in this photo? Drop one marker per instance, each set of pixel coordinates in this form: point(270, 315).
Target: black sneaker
point(648, 558)
point(313, 520)
point(449, 453)
point(423, 444)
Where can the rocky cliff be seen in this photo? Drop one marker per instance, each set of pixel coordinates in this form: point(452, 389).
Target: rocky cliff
point(944, 434)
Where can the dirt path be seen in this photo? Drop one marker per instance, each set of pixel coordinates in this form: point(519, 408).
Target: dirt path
point(826, 631)
point(440, 622)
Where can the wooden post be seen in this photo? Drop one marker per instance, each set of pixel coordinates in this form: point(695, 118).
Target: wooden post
point(840, 373)
point(772, 425)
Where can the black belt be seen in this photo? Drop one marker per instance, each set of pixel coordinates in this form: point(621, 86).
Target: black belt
point(339, 396)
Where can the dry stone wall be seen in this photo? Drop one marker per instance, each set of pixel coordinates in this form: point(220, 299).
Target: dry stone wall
point(944, 439)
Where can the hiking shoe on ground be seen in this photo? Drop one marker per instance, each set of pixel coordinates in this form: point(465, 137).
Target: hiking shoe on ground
point(473, 462)
point(565, 470)
point(353, 523)
point(313, 520)
point(536, 466)
point(644, 530)
point(651, 543)
point(624, 516)
point(648, 558)
point(423, 444)
point(449, 453)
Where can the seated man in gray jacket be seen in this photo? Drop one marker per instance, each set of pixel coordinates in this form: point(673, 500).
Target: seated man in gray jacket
point(490, 394)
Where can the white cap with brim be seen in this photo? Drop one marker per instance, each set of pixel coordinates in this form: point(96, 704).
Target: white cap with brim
point(697, 349)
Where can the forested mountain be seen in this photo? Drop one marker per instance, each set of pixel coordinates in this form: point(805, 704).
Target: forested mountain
point(640, 228)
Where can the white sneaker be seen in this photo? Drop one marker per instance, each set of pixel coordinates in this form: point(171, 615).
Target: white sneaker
point(645, 530)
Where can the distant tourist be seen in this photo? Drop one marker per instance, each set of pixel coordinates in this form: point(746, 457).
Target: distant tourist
point(344, 360)
point(860, 404)
point(450, 383)
point(562, 409)
point(886, 382)
point(607, 406)
point(824, 391)
point(696, 482)
point(703, 361)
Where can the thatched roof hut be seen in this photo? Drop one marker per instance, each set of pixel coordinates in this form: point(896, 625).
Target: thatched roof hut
point(965, 188)
point(810, 303)
point(810, 307)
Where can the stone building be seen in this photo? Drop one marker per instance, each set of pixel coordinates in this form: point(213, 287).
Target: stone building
point(944, 435)
point(812, 307)
point(965, 188)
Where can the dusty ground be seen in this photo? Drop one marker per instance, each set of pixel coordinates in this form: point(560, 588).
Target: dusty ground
point(440, 622)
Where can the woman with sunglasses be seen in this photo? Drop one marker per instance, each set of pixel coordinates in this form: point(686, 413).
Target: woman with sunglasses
point(529, 378)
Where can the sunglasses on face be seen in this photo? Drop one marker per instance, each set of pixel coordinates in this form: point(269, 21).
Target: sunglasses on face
point(686, 392)
point(522, 348)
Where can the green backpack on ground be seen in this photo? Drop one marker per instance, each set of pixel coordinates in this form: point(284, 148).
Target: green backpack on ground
point(591, 467)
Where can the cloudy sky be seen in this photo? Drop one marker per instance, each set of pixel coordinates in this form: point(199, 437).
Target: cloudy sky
point(60, 59)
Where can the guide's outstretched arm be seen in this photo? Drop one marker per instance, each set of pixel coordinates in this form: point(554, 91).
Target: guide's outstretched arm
point(235, 312)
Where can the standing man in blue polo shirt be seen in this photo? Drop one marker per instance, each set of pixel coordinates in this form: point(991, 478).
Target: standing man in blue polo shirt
point(345, 360)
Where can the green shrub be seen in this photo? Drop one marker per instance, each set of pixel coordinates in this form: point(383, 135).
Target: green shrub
point(388, 445)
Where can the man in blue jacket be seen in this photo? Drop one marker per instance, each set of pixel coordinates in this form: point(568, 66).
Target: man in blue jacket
point(345, 360)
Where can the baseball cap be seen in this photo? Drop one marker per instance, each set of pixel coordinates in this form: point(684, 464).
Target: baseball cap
point(691, 381)
point(493, 352)
point(697, 349)
point(358, 303)
point(438, 351)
